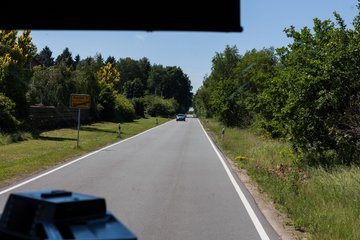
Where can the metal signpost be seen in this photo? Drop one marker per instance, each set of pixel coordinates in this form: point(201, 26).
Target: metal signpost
point(79, 101)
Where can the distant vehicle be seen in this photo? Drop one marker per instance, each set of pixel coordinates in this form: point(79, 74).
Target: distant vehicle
point(180, 117)
point(190, 115)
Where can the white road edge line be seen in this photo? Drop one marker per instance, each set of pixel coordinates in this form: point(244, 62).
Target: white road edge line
point(76, 160)
point(254, 218)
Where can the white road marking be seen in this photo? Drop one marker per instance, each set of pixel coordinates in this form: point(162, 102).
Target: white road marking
point(254, 218)
point(76, 160)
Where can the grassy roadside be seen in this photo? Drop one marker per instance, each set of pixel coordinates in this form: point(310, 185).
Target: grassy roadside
point(20, 159)
point(325, 204)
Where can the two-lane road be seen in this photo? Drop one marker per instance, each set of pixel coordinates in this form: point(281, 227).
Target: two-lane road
point(165, 184)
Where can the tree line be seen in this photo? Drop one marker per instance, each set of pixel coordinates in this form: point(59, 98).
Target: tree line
point(307, 92)
point(120, 89)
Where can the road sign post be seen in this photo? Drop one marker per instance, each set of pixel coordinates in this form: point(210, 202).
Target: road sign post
point(79, 101)
point(78, 128)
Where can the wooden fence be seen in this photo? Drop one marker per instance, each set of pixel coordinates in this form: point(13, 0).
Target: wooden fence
point(51, 117)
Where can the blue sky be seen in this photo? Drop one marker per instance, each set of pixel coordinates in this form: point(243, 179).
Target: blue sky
point(263, 22)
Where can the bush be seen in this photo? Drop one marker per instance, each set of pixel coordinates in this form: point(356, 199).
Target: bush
point(321, 79)
point(139, 105)
point(157, 106)
point(124, 109)
point(8, 123)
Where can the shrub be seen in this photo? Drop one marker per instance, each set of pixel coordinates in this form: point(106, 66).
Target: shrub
point(157, 106)
point(8, 123)
point(139, 105)
point(124, 109)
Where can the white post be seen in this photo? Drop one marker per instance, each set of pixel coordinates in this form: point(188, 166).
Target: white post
point(78, 129)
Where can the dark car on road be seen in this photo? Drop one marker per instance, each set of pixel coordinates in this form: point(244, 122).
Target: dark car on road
point(180, 117)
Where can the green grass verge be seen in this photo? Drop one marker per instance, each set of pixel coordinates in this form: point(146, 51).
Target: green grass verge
point(325, 204)
point(23, 158)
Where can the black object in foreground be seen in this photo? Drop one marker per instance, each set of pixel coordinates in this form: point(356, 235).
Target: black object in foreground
point(59, 214)
point(178, 15)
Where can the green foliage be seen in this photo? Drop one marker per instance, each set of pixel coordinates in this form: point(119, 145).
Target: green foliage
point(109, 77)
point(217, 96)
point(157, 106)
point(66, 58)
point(308, 92)
point(321, 75)
point(76, 60)
point(223, 64)
point(109, 82)
point(202, 104)
point(231, 92)
point(111, 60)
point(171, 82)
point(8, 123)
point(16, 52)
point(157, 76)
point(134, 88)
point(270, 104)
point(131, 69)
point(23, 82)
point(52, 86)
point(86, 82)
point(230, 108)
point(178, 86)
point(139, 105)
point(45, 57)
point(124, 109)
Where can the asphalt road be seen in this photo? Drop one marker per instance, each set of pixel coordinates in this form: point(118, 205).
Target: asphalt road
point(165, 184)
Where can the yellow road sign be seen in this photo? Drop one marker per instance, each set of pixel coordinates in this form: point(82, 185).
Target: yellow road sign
point(80, 101)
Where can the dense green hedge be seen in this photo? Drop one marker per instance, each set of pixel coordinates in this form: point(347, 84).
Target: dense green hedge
point(124, 108)
point(307, 92)
point(157, 106)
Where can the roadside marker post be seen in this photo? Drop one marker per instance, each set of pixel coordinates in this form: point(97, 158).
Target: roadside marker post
point(222, 133)
point(78, 128)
